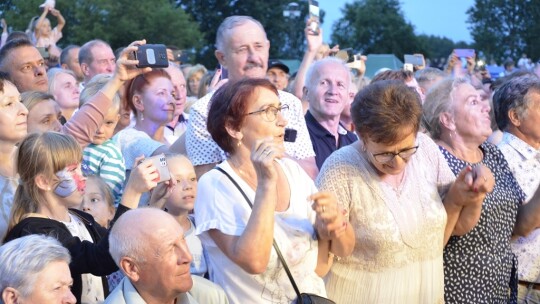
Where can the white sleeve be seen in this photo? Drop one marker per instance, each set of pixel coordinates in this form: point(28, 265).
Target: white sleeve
point(200, 146)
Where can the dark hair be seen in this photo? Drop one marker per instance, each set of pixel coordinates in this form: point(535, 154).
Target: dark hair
point(10, 47)
point(393, 75)
point(65, 53)
point(15, 35)
point(139, 83)
point(228, 107)
point(384, 109)
point(513, 95)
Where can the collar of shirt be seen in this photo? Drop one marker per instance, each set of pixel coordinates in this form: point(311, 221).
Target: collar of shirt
point(523, 148)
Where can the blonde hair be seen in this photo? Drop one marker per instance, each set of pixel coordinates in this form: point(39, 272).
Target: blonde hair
point(104, 188)
point(40, 154)
point(196, 69)
point(92, 88)
point(32, 98)
point(51, 76)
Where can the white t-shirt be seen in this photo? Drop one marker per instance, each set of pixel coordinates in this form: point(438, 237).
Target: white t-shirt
point(202, 149)
point(8, 186)
point(221, 206)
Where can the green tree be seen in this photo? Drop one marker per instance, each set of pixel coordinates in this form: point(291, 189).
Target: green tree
point(503, 28)
point(376, 27)
point(286, 35)
point(118, 22)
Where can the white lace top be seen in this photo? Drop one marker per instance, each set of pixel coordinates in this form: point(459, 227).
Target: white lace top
point(399, 232)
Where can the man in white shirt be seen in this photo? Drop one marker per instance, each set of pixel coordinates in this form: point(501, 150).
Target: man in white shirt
point(517, 111)
point(242, 48)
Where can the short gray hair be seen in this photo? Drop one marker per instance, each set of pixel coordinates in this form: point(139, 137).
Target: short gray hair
point(428, 74)
point(313, 70)
point(22, 258)
point(228, 24)
point(513, 94)
point(439, 100)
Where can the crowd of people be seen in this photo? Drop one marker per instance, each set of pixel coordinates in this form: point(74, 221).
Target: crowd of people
point(122, 184)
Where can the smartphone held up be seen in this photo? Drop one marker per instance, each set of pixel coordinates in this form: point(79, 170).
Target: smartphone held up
point(152, 55)
point(314, 20)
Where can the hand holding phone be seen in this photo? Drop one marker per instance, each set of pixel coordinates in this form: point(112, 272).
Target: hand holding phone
point(160, 162)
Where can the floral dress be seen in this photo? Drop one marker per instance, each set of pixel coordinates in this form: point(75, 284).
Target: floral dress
point(479, 267)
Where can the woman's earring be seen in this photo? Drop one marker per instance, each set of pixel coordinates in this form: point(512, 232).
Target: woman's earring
point(142, 116)
point(239, 143)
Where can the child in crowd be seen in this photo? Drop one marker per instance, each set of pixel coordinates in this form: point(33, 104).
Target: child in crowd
point(98, 200)
point(52, 185)
point(180, 202)
point(103, 157)
point(45, 36)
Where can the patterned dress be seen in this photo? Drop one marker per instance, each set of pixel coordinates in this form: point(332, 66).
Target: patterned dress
point(479, 266)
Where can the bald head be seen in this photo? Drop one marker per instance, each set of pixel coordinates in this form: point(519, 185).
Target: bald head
point(149, 247)
point(135, 229)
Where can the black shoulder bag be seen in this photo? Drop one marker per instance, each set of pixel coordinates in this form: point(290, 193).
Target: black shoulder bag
point(303, 298)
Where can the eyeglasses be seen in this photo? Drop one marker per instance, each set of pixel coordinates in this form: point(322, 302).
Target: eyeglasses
point(387, 157)
point(270, 112)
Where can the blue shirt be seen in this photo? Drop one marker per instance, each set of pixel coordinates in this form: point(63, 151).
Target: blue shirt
point(324, 142)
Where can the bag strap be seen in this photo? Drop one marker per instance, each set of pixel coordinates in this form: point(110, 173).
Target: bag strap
point(276, 247)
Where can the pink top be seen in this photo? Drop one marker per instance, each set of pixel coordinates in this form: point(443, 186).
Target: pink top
point(86, 121)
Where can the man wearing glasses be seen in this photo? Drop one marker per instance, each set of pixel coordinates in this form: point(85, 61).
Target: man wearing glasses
point(327, 92)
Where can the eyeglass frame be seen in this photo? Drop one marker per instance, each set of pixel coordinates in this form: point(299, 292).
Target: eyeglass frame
point(394, 154)
point(265, 111)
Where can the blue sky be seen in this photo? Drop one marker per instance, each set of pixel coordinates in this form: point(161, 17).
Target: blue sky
point(436, 17)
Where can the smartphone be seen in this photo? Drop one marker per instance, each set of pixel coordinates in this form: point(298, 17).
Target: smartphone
point(152, 55)
point(44, 52)
point(347, 55)
point(160, 162)
point(314, 17)
point(464, 53)
point(415, 60)
point(224, 72)
point(290, 135)
point(408, 67)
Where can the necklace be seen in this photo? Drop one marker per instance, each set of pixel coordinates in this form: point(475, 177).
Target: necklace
point(243, 175)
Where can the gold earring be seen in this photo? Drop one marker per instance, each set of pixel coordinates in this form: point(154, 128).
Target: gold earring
point(239, 143)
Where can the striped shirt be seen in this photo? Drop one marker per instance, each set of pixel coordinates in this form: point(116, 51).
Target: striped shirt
point(106, 161)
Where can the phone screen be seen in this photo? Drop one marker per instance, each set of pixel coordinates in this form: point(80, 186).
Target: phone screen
point(314, 16)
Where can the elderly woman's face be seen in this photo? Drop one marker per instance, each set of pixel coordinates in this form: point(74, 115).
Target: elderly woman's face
point(470, 113)
point(383, 156)
point(53, 285)
point(263, 118)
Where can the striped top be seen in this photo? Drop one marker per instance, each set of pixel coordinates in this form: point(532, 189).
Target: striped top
point(107, 162)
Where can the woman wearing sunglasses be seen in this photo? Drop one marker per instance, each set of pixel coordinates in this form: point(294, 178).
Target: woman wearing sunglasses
point(402, 200)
